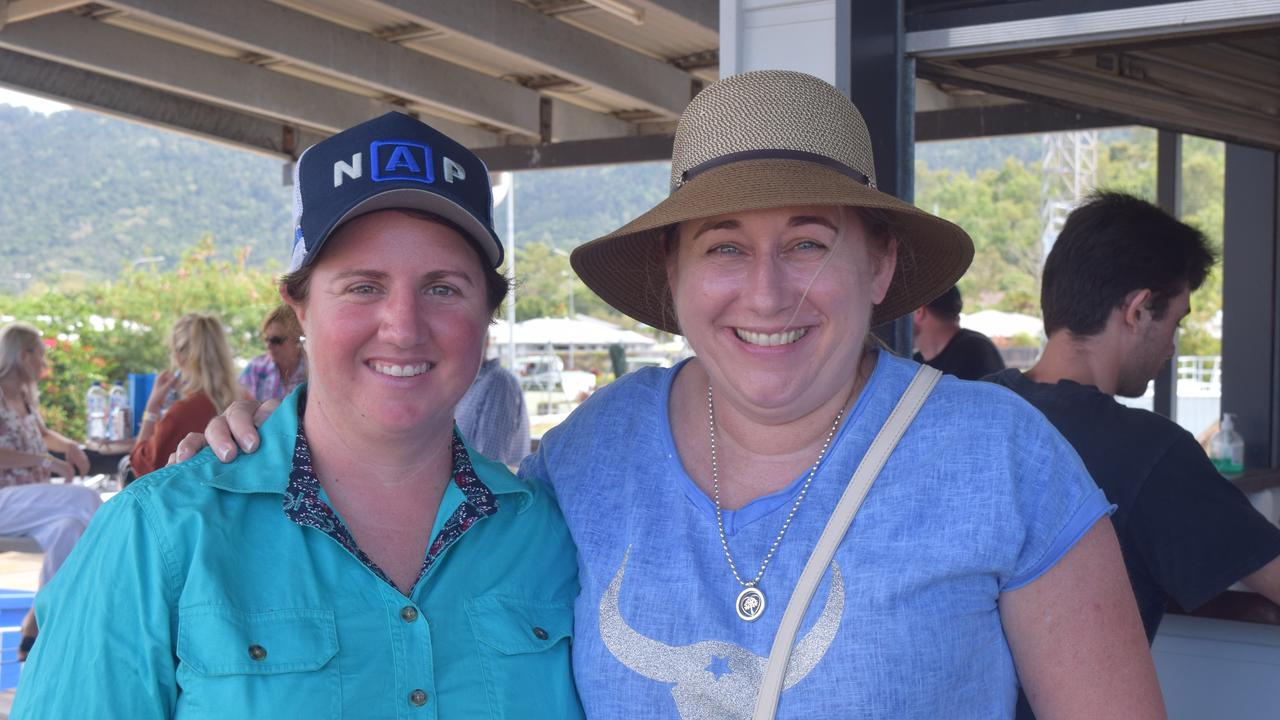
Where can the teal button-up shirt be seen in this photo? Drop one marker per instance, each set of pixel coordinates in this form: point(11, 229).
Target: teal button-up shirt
point(193, 595)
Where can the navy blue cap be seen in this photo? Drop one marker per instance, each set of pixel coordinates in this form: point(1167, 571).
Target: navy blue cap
point(393, 161)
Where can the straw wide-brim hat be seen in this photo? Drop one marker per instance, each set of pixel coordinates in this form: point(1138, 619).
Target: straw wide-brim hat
point(767, 139)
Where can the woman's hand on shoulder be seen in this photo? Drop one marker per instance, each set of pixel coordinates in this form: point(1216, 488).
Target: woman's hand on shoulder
point(234, 430)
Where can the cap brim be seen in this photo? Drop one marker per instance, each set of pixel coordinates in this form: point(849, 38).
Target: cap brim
point(412, 198)
point(627, 268)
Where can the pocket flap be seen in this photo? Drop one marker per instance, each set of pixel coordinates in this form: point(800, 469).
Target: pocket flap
point(514, 626)
point(219, 640)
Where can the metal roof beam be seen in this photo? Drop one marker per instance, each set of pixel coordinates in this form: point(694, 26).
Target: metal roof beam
point(19, 10)
point(643, 148)
point(703, 13)
point(1065, 86)
point(183, 71)
point(98, 47)
point(1012, 119)
point(506, 27)
point(1123, 24)
point(307, 41)
point(152, 107)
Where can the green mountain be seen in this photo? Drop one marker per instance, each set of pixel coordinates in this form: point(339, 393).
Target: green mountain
point(84, 192)
point(89, 193)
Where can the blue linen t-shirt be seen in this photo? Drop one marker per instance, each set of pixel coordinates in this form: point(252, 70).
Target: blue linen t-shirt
point(982, 496)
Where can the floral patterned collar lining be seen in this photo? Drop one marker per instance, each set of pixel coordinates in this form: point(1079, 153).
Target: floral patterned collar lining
point(304, 506)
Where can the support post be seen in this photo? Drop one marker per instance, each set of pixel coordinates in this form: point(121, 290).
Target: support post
point(1169, 198)
point(1250, 342)
point(883, 88)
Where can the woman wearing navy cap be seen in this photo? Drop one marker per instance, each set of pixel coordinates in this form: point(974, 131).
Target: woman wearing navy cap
point(363, 562)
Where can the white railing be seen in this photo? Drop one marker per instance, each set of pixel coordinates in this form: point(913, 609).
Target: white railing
point(1205, 369)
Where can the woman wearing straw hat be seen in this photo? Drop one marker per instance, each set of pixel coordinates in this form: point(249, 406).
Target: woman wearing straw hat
point(698, 495)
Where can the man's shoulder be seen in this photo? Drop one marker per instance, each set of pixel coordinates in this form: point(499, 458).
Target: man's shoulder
point(1119, 444)
point(965, 336)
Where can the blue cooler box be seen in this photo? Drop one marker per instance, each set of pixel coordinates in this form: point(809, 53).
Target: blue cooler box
point(140, 385)
point(13, 607)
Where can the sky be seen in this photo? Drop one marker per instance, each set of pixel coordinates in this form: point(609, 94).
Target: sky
point(40, 105)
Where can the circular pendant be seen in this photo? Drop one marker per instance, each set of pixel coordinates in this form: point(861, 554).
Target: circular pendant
point(750, 604)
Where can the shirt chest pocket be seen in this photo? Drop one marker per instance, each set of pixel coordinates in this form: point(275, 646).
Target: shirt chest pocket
point(524, 653)
point(278, 663)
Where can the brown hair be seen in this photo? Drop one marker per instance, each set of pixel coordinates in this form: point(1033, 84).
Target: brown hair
point(283, 316)
point(297, 283)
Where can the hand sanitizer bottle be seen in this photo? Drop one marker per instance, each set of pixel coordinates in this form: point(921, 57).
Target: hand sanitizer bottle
point(1226, 447)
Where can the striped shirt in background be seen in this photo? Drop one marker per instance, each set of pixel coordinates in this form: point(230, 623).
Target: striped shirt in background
point(261, 378)
point(492, 415)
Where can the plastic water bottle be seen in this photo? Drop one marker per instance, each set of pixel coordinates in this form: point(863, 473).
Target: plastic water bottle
point(95, 407)
point(1226, 447)
point(119, 426)
point(172, 396)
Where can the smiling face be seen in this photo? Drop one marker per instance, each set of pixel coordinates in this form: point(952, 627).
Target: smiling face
point(395, 318)
point(777, 303)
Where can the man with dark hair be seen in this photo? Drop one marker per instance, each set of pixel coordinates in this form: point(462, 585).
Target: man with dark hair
point(943, 344)
point(1116, 285)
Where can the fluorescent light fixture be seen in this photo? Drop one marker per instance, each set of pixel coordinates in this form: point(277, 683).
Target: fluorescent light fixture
point(630, 13)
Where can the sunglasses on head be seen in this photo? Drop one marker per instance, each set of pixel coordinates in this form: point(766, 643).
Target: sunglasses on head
point(276, 340)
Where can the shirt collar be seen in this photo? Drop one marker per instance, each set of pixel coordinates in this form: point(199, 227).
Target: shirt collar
point(267, 469)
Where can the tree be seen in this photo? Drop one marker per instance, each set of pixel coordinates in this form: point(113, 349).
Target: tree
point(544, 280)
point(106, 330)
point(1000, 208)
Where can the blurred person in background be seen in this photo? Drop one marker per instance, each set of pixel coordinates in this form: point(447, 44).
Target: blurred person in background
point(492, 415)
point(941, 343)
point(1117, 285)
point(283, 367)
point(53, 515)
point(205, 381)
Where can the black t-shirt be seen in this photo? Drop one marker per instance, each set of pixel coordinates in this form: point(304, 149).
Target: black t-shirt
point(1185, 531)
point(969, 356)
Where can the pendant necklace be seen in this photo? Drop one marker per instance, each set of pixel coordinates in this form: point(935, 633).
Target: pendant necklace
point(751, 601)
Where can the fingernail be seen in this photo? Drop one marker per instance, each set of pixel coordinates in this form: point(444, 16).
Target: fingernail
point(250, 444)
point(224, 453)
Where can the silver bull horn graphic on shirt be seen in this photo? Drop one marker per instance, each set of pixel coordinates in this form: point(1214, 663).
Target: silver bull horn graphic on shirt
point(713, 679)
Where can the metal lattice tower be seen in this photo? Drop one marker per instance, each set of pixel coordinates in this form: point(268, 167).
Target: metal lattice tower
point(1069, 171)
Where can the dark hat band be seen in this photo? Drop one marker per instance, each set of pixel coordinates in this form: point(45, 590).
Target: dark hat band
point(775, 154)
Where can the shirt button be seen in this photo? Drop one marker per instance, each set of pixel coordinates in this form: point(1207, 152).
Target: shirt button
point(418, 697)
point(257, 652)
point(540, 633)
point(408, 613)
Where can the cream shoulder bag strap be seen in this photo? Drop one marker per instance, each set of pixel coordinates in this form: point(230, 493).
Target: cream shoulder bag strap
point(881, 448)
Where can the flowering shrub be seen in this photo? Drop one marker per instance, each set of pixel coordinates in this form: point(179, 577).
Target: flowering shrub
point(106, 330)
